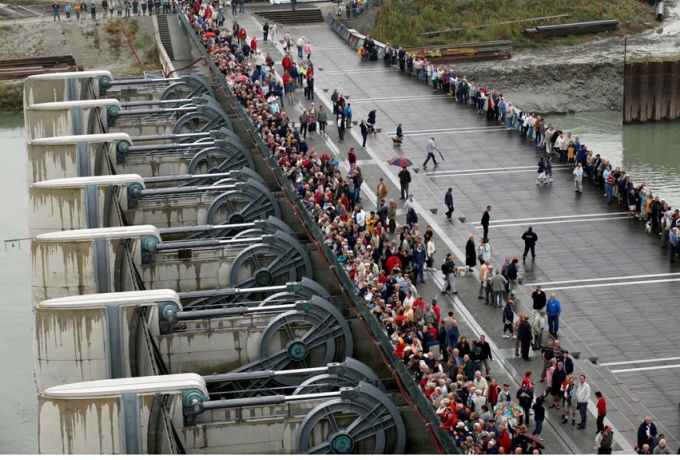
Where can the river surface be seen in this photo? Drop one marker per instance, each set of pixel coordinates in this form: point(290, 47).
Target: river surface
point(648, 152)
point(19, 421)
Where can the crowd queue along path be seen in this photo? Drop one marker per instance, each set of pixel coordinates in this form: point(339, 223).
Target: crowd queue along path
point(617, 289)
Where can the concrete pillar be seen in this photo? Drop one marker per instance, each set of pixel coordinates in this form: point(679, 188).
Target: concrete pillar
point(63, 86)
point(68, 118)
point(76, 203)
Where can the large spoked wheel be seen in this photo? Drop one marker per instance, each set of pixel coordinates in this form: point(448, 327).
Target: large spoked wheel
point(364, 422)
point(304, 339)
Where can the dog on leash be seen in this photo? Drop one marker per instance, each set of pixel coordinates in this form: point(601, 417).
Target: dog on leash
point(648, 227)
point(463, 271)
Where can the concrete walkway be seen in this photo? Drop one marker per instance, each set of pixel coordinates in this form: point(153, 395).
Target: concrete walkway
point(580, 238)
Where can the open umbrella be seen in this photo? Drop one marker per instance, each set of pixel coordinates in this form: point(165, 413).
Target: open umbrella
point(534, 438)
point(209, 35)
point(400, 161)
point(508, 410)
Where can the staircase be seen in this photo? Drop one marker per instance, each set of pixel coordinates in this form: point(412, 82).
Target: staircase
point(164, 33)
point(299, 16)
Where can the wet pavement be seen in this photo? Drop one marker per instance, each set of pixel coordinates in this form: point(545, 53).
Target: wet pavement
point(615, 284)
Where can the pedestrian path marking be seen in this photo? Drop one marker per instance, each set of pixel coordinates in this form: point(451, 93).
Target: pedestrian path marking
point(531, 219)
point(362, 71)
point(480, 172)
point(652, 368)
point(553, 222)
point(611, 278)
point(654, 360)
point(401, 98)
point(626, 283)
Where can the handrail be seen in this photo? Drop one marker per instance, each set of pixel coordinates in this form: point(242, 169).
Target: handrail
point(361, 11)
point(402, 376)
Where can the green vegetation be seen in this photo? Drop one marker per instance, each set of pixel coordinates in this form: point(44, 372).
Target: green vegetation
point(11, 97)
point(402, 23)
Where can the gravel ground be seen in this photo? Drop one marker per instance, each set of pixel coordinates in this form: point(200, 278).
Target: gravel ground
point(78, 38)
point(577, 78)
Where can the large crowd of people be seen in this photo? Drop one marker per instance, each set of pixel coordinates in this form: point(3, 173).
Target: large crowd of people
point(386, 261)
point(617, 186)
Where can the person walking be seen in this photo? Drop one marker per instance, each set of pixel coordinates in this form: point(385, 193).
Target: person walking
point(525, 397)
point(530, 239)
point(539, 414)
point(554, 310)
point(431, 147)
point(404, 181)
point(498, 283)
point(525, 336)
point(471, 253)
point(265, 31)
point(448, 201)
point(93, 10)
point(601, 411)
point(381, 190)
point(352, 159)
point(508, 320)
point(430, 249)
point(364, 132)
point(578, 178)
point(539, 299)
point(300, 43)
point(341, 127)
point(483, 251)
point(448, 270)
point(604, 441)
point(348, 116)
point(419, 259)
point(322, 118)
point(582, 397)
point(486, 218)
point(392, 215)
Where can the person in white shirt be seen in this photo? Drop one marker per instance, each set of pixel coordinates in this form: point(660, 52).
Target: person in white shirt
point(578, 178)
point(582, 397)
point(360, 218)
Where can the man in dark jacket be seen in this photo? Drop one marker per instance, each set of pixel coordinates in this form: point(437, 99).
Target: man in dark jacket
point(525, 336)
point(525, 396)
point(364, 132)
point(404, 181)
point(486, 217)
point(530, 239)
point(539, 298)
point(646, 433)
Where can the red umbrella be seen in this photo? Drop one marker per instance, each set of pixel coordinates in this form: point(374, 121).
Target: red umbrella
point(209, 35)
point(400, 161)
point(241, 78)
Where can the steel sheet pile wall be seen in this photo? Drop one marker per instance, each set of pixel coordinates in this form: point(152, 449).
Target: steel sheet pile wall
point(651, 91)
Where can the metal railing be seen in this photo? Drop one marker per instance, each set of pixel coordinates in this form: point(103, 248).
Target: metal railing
point(16, 12)
point(354, 13)
point(402, 376)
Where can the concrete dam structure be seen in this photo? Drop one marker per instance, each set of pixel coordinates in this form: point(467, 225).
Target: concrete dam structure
point(181, 304)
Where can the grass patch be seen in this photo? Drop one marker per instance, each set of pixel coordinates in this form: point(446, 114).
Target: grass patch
point(114, 37)
point(401, 23)
point(151, 62)
point(11, 97)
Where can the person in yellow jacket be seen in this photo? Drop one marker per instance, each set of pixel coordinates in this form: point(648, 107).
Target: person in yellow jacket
point(482, 277)
point(371, 221)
